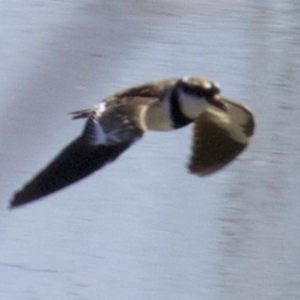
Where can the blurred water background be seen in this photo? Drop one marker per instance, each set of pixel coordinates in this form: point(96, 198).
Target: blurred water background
point(144, 228)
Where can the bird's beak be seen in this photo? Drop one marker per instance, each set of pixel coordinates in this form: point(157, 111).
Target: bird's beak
point(218, 101)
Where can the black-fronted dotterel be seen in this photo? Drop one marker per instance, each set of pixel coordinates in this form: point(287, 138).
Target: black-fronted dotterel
point(222, 129)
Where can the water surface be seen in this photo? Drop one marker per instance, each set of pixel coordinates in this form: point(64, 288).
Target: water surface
point(144, 228)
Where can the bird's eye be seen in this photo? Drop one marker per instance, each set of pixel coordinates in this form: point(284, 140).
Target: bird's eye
point(184, 86)
point(192, 89)
point(201, 88)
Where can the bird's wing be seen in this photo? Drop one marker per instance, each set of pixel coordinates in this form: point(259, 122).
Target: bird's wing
point(220, 136)
point(104, 138)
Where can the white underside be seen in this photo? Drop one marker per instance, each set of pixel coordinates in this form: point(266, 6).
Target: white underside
point(191, 105)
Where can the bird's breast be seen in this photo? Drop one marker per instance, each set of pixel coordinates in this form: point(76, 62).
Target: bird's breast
point(158, 117)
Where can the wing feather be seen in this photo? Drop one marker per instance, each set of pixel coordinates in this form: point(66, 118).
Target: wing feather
point(106, 135)
point(220, 136)
point(75, 162)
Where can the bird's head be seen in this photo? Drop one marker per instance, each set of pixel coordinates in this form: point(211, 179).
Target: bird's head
point(195, 94)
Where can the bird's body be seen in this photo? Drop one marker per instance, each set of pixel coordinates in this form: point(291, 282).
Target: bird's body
point(121, 119)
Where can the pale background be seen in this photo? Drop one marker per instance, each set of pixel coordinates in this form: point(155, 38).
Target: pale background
point(144, 228)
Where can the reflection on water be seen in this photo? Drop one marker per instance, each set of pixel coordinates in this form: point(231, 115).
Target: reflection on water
point(159, 233)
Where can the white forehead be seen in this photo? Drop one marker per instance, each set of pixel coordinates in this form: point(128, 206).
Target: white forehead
point(205, 83)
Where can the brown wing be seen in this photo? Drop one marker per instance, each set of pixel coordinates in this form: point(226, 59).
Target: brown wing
point(75, 162)
point(104, 138)
point(220, 136)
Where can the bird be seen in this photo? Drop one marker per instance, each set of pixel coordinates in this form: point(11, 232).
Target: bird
point(222, 130)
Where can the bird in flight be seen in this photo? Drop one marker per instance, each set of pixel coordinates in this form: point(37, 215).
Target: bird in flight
point(222, 129)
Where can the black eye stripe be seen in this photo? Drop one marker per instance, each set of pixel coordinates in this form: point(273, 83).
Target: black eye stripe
point(197, 91)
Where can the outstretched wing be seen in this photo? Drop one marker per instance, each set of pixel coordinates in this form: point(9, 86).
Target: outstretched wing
point(75, 162)
point(220, 136)
point(104, 138)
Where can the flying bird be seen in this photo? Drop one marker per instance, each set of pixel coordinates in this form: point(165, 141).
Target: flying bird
point(222, 129)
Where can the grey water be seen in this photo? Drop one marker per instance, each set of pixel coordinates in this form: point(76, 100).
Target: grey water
point(144, 228)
